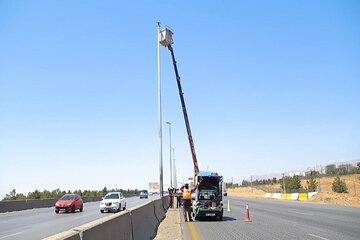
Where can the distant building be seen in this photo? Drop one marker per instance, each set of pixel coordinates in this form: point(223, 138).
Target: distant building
point(301, 174)
point(154, 187)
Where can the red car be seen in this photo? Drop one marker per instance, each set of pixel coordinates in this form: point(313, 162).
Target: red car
point(69, 203)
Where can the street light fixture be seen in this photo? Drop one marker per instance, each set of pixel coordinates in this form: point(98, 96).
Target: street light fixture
point(171, 175)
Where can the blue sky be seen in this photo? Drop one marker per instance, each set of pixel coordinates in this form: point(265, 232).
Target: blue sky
point(270, 86)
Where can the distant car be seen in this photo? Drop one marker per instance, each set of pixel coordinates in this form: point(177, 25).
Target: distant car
point(113, 202)
point(144, 194)
point(69, 203)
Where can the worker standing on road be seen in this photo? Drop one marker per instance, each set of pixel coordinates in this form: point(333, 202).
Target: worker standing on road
point(178, 198)
point(171, 195)
point(187, 200)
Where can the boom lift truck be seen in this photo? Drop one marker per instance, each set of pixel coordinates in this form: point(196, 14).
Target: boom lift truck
point(208, 196)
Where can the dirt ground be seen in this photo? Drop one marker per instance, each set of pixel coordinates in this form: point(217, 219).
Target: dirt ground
point(325, 195)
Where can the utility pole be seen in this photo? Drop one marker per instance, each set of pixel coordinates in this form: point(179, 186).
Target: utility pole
point(175, 176)
point(160, 117)
point(284, 183)
point(171, 175)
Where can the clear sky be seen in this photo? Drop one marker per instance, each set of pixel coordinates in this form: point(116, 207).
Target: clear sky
point(270, 86)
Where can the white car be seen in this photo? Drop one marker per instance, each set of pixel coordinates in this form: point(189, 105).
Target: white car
point(113, 202)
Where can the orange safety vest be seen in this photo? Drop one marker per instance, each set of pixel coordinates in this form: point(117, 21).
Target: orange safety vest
point(187, 194)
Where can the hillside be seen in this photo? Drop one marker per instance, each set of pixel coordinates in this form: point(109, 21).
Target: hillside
point(325, 195)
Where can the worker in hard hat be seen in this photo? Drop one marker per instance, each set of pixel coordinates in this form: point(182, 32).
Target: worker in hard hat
point(186, 195)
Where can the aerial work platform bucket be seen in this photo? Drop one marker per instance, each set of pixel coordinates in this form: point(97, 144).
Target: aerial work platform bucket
point(165, 37)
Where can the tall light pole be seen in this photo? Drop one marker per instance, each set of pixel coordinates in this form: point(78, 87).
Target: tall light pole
point(171, 175)
point(160, 115)
point(175, 177)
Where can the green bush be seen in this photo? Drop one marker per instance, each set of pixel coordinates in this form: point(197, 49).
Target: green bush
point(339, 186)
point(292, 184)
point(311, 185)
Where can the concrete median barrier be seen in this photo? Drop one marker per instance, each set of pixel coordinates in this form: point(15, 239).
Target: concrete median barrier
point(68, 235)
point(159, 210)
point(117, 226)
point(144, 221)
point(311, 194)
point(137, 223)
point(276, 195)
point(294, 196)
point(19, 205)
point(303, 197)
point(166, 202)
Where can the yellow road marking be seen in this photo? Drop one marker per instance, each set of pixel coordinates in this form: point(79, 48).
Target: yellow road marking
point(194, 235)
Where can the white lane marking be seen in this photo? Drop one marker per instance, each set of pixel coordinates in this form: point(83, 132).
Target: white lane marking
point(11, 235)
point(313, 235)
point(301, 213)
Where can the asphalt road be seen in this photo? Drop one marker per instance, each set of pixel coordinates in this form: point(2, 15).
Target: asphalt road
point(44, 222)
point(274, 219)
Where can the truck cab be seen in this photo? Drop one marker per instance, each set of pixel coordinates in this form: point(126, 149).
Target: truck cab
point(208, 196)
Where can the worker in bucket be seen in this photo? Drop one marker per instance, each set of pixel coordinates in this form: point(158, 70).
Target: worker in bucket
point(186, 192)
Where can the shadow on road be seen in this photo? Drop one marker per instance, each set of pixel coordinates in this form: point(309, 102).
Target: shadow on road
point(225, 219)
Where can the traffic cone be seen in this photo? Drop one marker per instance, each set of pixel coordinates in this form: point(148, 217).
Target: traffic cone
point(247, 214)
point(228, 206)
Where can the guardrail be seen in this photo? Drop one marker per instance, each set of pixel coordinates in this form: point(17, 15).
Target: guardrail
point(133, 224)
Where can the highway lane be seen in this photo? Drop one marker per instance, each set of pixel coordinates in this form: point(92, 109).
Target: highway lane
point(273, 219)
point(44, 222)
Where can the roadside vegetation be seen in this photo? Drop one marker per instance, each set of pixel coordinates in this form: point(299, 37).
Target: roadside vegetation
point(308, 183)
point(335, 186)
point(57, 193)
point(339, 186)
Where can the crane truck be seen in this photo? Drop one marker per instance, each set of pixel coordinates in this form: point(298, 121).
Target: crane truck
point(207, 200)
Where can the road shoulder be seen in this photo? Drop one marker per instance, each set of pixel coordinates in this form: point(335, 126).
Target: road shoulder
point(170, 227)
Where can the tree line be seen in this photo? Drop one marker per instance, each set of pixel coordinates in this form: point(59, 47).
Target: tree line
point(57, 193)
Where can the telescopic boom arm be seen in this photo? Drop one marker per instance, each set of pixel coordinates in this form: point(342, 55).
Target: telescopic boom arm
point(191, 142)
